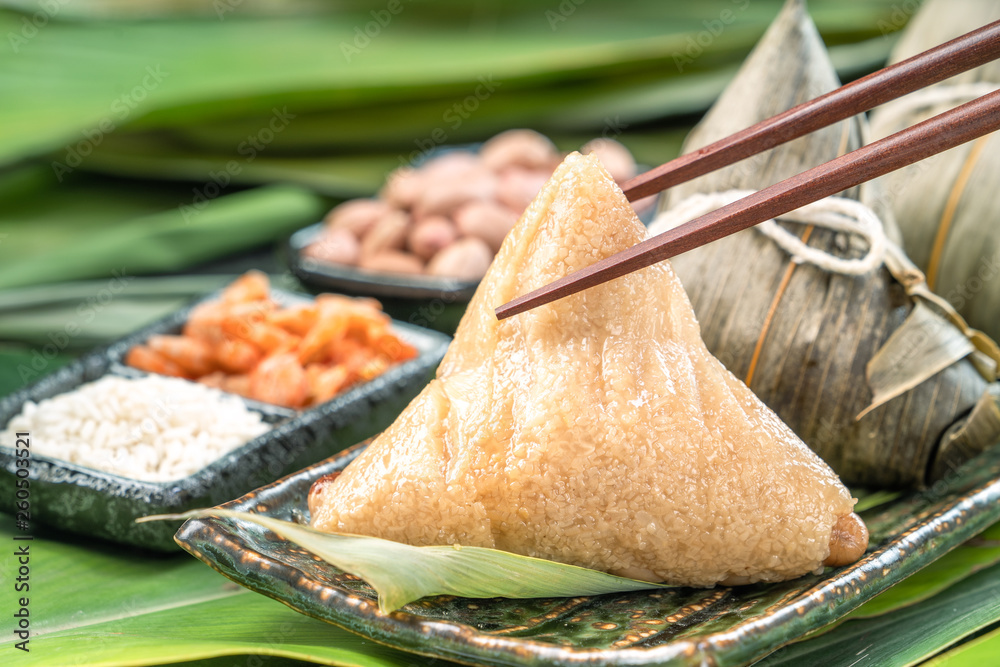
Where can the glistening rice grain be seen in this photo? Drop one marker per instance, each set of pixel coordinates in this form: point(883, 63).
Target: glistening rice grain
point(153, 428)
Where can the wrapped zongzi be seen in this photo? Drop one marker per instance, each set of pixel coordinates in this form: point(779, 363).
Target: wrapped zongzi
point(947, 205)
point(806, 336)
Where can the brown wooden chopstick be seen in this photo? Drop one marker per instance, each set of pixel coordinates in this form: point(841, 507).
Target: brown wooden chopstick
point(947, 130)
point(960, 54)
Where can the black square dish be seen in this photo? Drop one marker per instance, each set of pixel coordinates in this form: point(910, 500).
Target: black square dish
point(329, 276)
point(102, 504)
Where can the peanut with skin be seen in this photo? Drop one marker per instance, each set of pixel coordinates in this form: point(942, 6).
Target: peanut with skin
point(431, 235)
point(403, 187)
point(616, 158)
point(526, 149)
point(441, 197)
point(389, 234)
point(486, 220)
point(467, 259)
point(848, 540)
point(357, 215)
point(457, 197)
point(517, 187)
point(335, 245)
point(449, 166)
point(393, 261)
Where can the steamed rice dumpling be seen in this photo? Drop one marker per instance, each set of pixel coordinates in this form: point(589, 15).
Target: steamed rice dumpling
point(596, 430)
point(946, 205)
point(803, 338)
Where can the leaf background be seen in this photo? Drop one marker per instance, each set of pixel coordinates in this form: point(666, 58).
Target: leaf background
point(103, 604)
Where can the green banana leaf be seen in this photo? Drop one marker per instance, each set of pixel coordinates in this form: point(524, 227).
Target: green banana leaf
point(92, 603)
point(344, 175)
point(154, 155)
point(69, 85)
point(906, 637)
point(16, 369)
point(984, 650)
point(968, 559)
point(33, 315)
point(96, 604)
point(89, 228)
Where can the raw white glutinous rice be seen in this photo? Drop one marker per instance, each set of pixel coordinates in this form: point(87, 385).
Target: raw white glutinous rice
point(153, 428)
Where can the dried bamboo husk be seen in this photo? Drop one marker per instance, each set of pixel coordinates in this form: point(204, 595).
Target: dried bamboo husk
point(801, 337)
point(947, 206)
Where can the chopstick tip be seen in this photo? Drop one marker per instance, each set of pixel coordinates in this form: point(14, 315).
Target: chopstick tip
point(506, 310)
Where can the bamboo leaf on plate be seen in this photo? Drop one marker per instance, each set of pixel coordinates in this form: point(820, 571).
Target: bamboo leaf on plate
point(401, 573)
point(872, 498)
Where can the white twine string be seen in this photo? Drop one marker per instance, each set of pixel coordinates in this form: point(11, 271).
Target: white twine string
point(891, 116)
point(836, 213)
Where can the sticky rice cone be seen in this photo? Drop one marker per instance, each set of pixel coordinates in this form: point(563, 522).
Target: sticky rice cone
point(596, 430)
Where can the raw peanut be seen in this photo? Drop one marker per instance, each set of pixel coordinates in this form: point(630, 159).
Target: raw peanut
point(357, 215)
point(453, 164)
point(389, 234)
point(431, 235)
point(403, 187)
point(486, 220)
point(848, 540)
point(442, 196)
point(616, 158)
point(517, 187)
point(339, 246)
point(467, 258)
point(392, 261)
point(519, 148)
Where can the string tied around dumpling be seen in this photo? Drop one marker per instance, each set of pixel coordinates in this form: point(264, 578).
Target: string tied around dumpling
point(897, 114)
point(838, 214)
point(953, 338)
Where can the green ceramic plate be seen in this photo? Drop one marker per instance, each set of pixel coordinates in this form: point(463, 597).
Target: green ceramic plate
point(721, 626)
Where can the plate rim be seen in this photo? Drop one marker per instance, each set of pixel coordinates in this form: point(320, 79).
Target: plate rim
point(952, 522)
